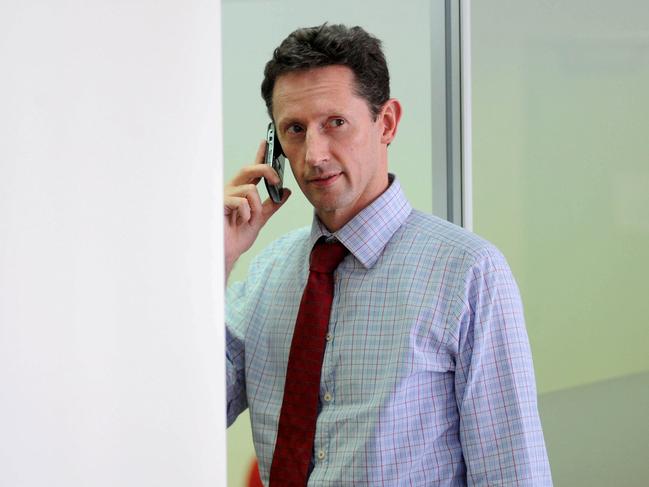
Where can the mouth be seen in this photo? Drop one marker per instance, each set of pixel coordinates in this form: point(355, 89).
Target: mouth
point(324, 180)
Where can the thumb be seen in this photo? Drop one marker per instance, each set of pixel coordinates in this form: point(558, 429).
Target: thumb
point(269, 207)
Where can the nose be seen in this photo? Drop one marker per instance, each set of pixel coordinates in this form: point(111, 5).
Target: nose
point(317, 148)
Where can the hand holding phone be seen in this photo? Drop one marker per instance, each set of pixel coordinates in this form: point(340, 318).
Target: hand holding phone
point(275, 158)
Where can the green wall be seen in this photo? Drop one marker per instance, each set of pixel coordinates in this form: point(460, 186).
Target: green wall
point(561, 185)
point(561, 176)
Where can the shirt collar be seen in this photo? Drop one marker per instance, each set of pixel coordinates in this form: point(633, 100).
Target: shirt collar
point(367, 234)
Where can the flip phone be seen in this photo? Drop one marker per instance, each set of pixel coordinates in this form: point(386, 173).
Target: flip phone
point(275, 158)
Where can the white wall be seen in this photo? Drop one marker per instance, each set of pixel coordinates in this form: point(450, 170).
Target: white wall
point(111, 347)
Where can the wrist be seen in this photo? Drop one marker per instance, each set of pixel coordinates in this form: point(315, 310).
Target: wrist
point(229, 264)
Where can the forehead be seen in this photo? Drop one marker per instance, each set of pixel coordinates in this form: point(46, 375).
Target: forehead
point(299, 93)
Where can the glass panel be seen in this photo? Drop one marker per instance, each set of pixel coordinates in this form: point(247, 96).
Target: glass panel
point(561, 176)
point(561, 182)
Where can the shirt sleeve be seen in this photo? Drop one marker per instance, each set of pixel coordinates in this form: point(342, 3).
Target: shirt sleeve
point(500, 430)
point(235, 353)
point(242, 308)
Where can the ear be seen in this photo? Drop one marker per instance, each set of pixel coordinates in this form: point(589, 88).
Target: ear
point(389, 118)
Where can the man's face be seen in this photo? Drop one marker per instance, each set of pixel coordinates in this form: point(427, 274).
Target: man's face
point(337, 151)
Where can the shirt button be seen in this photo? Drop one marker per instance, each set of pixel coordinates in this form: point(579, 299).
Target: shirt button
point(329, 337)
point(328, 397)
point(321, 454)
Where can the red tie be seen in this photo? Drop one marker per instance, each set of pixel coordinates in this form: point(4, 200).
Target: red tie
point(297, 419)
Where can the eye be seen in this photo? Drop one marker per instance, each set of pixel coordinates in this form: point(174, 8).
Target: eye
point(293, 129)
point(337, 122)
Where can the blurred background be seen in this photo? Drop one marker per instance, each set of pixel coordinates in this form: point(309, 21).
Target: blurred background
point(560, 178)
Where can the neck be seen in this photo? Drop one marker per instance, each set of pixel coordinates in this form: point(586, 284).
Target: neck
point(335, 219)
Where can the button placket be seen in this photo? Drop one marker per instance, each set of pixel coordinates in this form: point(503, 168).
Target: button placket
point(327, 371)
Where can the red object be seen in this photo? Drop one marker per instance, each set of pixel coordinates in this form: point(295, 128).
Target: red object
point(254, 480)
point(297, 420)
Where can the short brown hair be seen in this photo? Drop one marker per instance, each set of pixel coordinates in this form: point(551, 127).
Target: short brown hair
point(328, 45)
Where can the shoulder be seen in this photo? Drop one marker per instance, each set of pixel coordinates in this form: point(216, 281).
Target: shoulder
point(288, 248)
point(434, 235)
point(280, 260)
point(430, 249)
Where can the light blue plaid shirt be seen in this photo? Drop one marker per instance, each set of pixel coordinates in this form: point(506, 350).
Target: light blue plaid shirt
point(427, 376)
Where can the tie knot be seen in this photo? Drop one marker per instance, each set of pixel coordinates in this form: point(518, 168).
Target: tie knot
point(326, 256)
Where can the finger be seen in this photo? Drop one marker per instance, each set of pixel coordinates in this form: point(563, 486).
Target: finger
point(252, 174)
point(237, 208)
point(254, 200)
point(270, 207)
point(241, 190)
point(248, 191)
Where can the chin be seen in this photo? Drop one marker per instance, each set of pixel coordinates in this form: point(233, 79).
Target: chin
point(329, 203)
point(331, 206)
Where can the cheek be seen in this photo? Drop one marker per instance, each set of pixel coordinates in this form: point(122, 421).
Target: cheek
point(293, 156)
point(296, 169)
point(352, 156)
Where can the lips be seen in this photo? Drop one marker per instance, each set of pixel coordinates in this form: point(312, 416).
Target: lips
point(324, 180)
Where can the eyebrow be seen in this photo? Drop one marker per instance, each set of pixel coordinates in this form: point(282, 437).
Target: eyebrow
point(283, 123)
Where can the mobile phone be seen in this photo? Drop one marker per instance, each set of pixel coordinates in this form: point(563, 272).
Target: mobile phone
point(275, 158)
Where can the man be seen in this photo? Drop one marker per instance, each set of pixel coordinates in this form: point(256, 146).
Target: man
point(426, 375)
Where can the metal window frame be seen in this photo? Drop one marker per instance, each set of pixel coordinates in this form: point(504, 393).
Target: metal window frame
point(452, 175)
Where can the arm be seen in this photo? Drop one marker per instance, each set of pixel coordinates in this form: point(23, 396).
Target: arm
point(235, 375)
point(244, 213)
point(500, 430)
